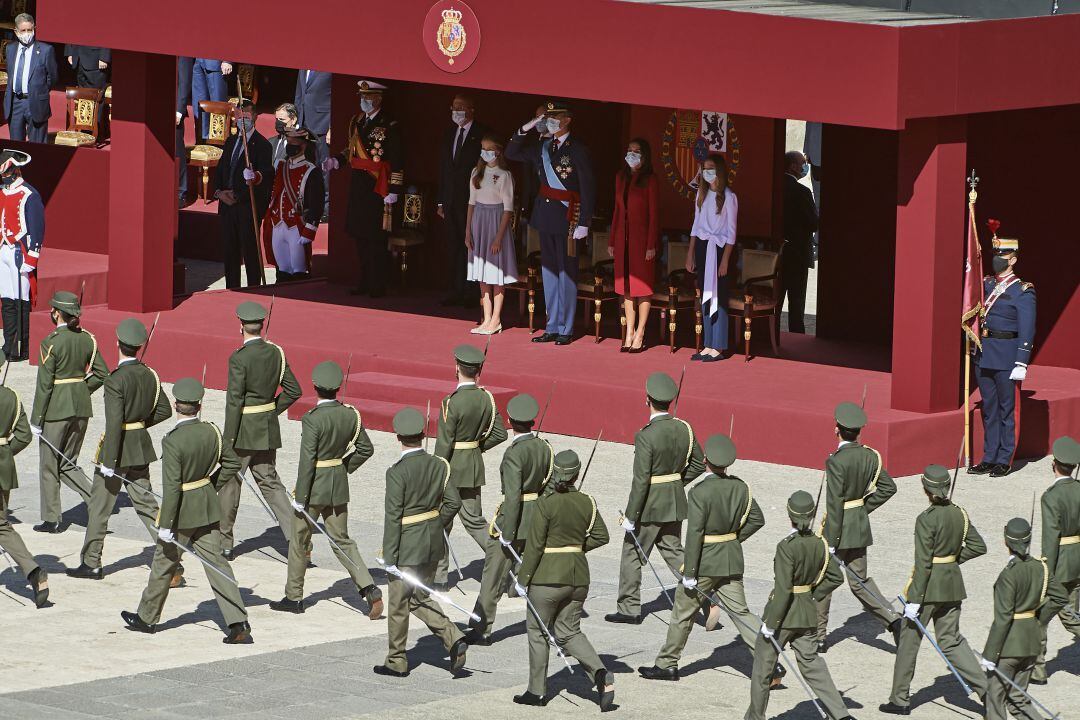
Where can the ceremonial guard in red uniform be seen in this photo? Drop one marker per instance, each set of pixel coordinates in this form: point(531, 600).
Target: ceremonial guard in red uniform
point(296, 205)
point(22, 227)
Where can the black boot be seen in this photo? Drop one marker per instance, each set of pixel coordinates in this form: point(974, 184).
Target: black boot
point(39, 582)
point(605, 688)
point(651, 672)
point(48, 527)
point(136, 623)
point(618, 617)
point(457, 655)
point(85, 572)
point(476, 636)
point(383, 670)
point(287, 605)
point(239, 634)
point(890, 709)
point(777, 679)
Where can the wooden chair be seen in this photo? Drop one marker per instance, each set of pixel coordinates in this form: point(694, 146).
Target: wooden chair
point(596, 279)
point(207, 154)
point(3, 62)
point(681, 294)
point(108, 100)
point(83, 111)
point(410, 231)
point(756, 291)
point(528, 270)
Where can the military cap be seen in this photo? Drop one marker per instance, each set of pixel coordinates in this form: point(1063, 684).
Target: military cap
point(1066, 451)
point(188, 390)
point(522, 408)
point(720, 451)
point(250, 312)
point(1018, 534)
point(17, 157)
point(661, 388)
point(936, 480)
point(131, 332)
point(556, 107)
point(567, 466)
point(849, 415)
point(409, 423)
point(369, 86)
point(800, 506)
point(469, 355)
point(67, 302)
point(1004, 246)
point(327, 375)
point(300, 133)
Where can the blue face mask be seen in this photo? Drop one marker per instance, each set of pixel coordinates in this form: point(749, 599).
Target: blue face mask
point(805, 170)
point(366, 106)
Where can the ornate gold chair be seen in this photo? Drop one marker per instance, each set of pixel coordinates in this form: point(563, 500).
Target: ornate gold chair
point(3, 62)
point(410, 232)
point(755, 292)
point(596, 280)
point(108, 100)
point(207, 154)
point(83, 110)
point(528, 271)
point(681, 293)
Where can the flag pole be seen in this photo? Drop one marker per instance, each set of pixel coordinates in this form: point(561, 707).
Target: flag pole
point(973, 182)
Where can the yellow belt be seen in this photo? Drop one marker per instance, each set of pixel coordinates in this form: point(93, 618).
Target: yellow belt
point(194, 485)
point(1024, 615)
point(529, 497)
point(945, 560)
point(1071, 540)
point(252, 409)
point(419, 517)
point(800, 589)
point(332, 462)
point(68, 381)
point(470, 445)
point(3, 441)
point(134, 425)
point(566, 549)
point(853, 504)
point(661, 479)
point(710, 539)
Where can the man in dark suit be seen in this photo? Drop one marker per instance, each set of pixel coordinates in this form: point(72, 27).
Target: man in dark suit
point(234, 210)
point(458, 156)
point(285, 119)
point(91, 65)
point(31, 74)
point(800, 224)
point(183, 99)
point(312, 100)
point(208, 83)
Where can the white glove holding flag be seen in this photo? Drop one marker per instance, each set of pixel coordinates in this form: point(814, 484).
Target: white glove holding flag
point(766, 632)
point(689, 583)
point(628, 525)
point(166, 535)
point(297, 506)
point(580, 232)
point(330, 163)
point(987, 665)
point(1019, 372)
point(911, 611)
point(105, 471)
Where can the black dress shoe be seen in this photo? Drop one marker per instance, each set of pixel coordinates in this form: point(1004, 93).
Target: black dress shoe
point(287, 605)
point(527, 698)
point(894, 628)
point(48, 527)
point(85, 572)
point(476, 636)
point(822, 647)
point(605, 688)
point(1039, 681)
point(981, 469)
point(457, 655)
point(618, 617)
point(1000, 471)
point(134, 622)
point(777, 679)
point(546, 338)
point(651, 672)
point(890, 709)
point(239, 634)
point(229, 554)
point(564, 339)
point(383, 670)
point(713, 358)
point(696, 357)
point(39, 582)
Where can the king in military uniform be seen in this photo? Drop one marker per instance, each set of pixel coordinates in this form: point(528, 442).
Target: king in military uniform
point(252, 406)
point(333, 444)
point(667, 456)
point(1008, 331)
point(469, 425)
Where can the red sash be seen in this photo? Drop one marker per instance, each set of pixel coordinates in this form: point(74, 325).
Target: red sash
point(563, 196)
point(377, 169)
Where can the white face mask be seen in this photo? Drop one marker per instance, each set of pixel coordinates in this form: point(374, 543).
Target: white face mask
point(366, 106)
point(553, 125)
point(633, 159)
point(708, 176)
point(488, 155)
point(458, 117)
point(25, 37)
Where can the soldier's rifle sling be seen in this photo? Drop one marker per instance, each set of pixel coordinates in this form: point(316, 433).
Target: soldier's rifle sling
point(933, 643)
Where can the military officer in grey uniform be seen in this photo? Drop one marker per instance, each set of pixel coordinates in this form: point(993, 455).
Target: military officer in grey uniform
point(667, 457)
point(194, 462)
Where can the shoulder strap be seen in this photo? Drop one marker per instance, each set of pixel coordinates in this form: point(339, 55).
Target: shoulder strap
point(157, 388)
point(749, 504)
point(592, 519)
point(551, 465)
point(217, 453)
point(494, 412)
point(18, 411)
point(825, 565)
point(872, 487)
point(281, 354)
point(967, 524)
point(444, 462)
point(93, 351)
point(1045, 581)
point(359, 425)
point(690, 446)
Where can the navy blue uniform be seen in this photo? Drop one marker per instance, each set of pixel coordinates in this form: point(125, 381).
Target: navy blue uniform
point(1008, 331)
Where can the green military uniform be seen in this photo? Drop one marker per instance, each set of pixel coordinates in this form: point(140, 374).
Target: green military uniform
point(133, 402)
point(667, 456)
point(564, 526)
point(413, 543)
point(194, 462)
point(252, 406)
point(1061, 541)
point(1026, 597)
point(805, 574)
point(13, 440)
point(856, 484)
point(722, 514)
point(469, 425)
point(333, 444)
point(69, 371)
point(526, 470)
point(944, 539)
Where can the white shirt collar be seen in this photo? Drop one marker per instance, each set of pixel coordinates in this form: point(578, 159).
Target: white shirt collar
point(181, 420)
point(562, 139)
point(464, 129)
point(843, 443)
point(1063, 477)
point(253, 339)
point(14, 186)
point(323, 401)
point(409, 451)
point(522, 436)
point(466, 383)
point(653, 416)
point(373, 114)
point(123, 360)
point(61, 324)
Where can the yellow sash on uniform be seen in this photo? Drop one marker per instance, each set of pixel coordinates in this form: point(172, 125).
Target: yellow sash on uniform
point(944, 560)
point(195, 484)
point(419, 517)
point(858, 502)
point(68, 381)
point(1024, 615)
point(529, 497)
point(1070, 540)
point(140, 425)
point(711, 539)
point(565, 549)
point(252, 409)
point(801, 589)
point(332, 462)
point(661, 479)
point(467, 445)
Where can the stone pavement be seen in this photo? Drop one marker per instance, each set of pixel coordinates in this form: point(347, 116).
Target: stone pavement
point(76, 660)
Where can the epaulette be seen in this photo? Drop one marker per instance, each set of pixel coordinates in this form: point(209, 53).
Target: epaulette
point(1025, 286)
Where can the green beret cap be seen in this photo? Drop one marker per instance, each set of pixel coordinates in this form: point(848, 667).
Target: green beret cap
point(800, 506)
point(1066, 450)
point(131, 332)
point(1018, 529)
point(469, 355)
point(522, 408)
point(409, 423)
point(327, 375)
point(661, 388)
point(567, 465)
point(67, 302)
point(850, 416)
point(188, 390)
point(720, 451)
point(250, 311)
point(936, 480)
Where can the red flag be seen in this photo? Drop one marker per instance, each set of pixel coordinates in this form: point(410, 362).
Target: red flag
point(973, 285)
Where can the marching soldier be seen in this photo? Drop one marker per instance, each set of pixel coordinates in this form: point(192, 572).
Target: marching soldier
point(194, 462)
point(856, 484)
point(1026, 598)
point(805, 573)
point(16, 436)
point(413, 544)
point(944, 539)
point(667, 456)
point(722, 514)
point(133, 403)
point(469, 425)
point(252, 406)
point(555, 574)
point(70, 370)
point(333, 444)
point(526, 470)
point(1061, 539)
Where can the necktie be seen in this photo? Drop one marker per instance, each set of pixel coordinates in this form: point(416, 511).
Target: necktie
point(459, 141)
point(554, 145)
point(20, 84)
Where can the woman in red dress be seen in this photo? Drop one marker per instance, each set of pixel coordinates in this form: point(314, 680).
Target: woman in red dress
point(635, 228)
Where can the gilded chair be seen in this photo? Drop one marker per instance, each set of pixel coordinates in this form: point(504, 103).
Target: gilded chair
point(206, 154)
point(528, 270)
point(410, 232)
point(756, 293)
point(680, 293)
point(3, 62)
point(596, 279)
point(83, 115)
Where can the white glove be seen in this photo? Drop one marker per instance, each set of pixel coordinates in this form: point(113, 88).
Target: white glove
point(1019, 372)
point(390, 199)
point(531, 124)
point(35, 430)
point(226, 68)
point(330, 163)
point(628, 525)
point(166, 535)
point(298, 507)
point(765, 631)
point(249, 174)
point(520, 589)
point(911, 611)
point(832, 550)
point(504, 542)
point(987, 665)
point(26, 268)
point(580, 231)
point(689, 583)
point(105, 471)
point(392, 570)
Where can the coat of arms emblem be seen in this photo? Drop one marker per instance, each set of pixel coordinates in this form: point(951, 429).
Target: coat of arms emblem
point(450, 37)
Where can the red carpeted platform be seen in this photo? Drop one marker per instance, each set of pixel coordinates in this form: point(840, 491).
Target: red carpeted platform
point(400, 349)
point(68, 270)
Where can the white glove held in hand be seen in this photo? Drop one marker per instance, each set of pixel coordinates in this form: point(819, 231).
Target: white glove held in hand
point(1019, 372)
point(330, 163)
point(628, 525)
point(35, 430)
point(390, 199)
point(765, 631)
point(297, 506)
point(987, 665)
point(911, 611)
point(504, 542)
point(106, 472)
point(166, 535)
point(249, 174)
point(392, 570)
point(689, 583)
point(580, 231)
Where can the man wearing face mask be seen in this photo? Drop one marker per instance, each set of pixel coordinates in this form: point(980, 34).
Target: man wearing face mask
point(31, 69)
point(296, 205)
point(285, 119)
point(375, 155)
point(561, 214)
point(800, 224)
point(22, 227)
point(1008, 332)
point(234, 209)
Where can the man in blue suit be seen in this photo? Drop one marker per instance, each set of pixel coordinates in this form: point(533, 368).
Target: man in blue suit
point(1008, 331)
point(183, 99)
point(208, 83)
point(31, 74)
point(312, 100)
point(561, 214)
